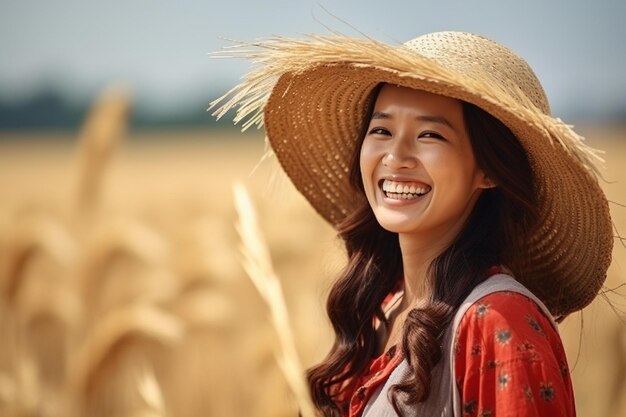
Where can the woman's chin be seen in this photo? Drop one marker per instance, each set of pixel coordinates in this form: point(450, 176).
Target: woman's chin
point(397, 224)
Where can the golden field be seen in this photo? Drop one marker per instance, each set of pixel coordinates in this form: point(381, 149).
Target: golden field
point(123, 292)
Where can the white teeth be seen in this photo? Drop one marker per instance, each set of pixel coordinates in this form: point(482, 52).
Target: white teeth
point(402, 191)
point(402, 196)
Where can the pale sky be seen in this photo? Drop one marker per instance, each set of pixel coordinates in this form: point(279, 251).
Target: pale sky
point(159, 48)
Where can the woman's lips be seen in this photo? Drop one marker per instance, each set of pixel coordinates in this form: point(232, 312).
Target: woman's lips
point(403, 190)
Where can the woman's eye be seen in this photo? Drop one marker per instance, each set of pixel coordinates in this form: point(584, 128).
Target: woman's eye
point(379, 131)
point(434, 135)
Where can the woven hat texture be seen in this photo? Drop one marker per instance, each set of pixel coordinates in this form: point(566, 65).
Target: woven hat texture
point(312, 94)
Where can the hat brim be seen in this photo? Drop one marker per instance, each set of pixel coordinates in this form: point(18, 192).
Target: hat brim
point(315, 114)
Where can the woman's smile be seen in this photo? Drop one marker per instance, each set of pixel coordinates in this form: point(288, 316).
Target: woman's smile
point(417, 163)
point(403, 190)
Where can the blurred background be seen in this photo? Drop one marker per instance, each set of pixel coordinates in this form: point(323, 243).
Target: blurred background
point(122, 291)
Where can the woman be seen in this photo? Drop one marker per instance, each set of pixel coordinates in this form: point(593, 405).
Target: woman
point(472, 219)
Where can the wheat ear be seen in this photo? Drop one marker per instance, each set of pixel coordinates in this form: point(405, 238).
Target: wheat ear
point(99, 136)
point(258, 265)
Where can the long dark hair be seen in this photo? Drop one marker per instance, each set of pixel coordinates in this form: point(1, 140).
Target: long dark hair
point(494, 234)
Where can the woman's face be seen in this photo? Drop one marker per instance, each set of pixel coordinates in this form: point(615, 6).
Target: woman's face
point(417, 164)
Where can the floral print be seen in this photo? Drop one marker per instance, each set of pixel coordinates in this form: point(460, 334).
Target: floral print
point(481, 310)
point(469, 407)
point(503, 380)
point(359, 390)
point(533, 323)
point(510, 360)
point(546, 391)
point(503, 336)
point(528, 392)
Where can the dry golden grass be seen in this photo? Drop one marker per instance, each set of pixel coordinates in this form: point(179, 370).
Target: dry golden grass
point(142, 308)
point(258, 266)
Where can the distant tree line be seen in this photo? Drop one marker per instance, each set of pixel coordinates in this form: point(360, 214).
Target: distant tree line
point(50, 109)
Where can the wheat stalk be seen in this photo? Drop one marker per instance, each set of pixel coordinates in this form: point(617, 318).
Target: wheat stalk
point(258, 265)
point(134, 321)
point(36, 236)
point(99, 136)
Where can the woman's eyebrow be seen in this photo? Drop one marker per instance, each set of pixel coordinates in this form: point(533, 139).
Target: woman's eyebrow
point(436, 119)
point(426, 118)
point(380, 115)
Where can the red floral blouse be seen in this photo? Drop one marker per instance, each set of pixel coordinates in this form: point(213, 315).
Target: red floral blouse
point(509, 362)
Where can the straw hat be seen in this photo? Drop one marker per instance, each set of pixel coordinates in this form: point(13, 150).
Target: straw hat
point(311, 94)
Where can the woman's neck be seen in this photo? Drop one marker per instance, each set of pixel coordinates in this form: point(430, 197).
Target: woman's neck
point(417, 255)
point(418, 252)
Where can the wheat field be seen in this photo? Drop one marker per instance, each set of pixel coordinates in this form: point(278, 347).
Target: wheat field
point(123, 292)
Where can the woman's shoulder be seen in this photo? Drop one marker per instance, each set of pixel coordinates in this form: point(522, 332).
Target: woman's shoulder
point(501, 298)
point(511, 326)
point(508, 356)
point(506, 310)
point(505, 304)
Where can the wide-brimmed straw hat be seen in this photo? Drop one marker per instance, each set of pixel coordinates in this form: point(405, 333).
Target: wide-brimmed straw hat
point(312, 95)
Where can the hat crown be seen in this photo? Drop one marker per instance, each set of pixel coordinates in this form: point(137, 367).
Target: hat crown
point(483, 60)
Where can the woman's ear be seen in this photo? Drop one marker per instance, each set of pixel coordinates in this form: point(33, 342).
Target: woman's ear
point(486, 182)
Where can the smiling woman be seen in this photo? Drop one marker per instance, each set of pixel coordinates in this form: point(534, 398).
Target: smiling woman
point(472, 220)
point(418, 139)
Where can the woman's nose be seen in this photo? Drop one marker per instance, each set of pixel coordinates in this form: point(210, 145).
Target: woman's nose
point(399, 157)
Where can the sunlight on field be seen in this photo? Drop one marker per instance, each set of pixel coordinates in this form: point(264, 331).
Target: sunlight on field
point(138, 305)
